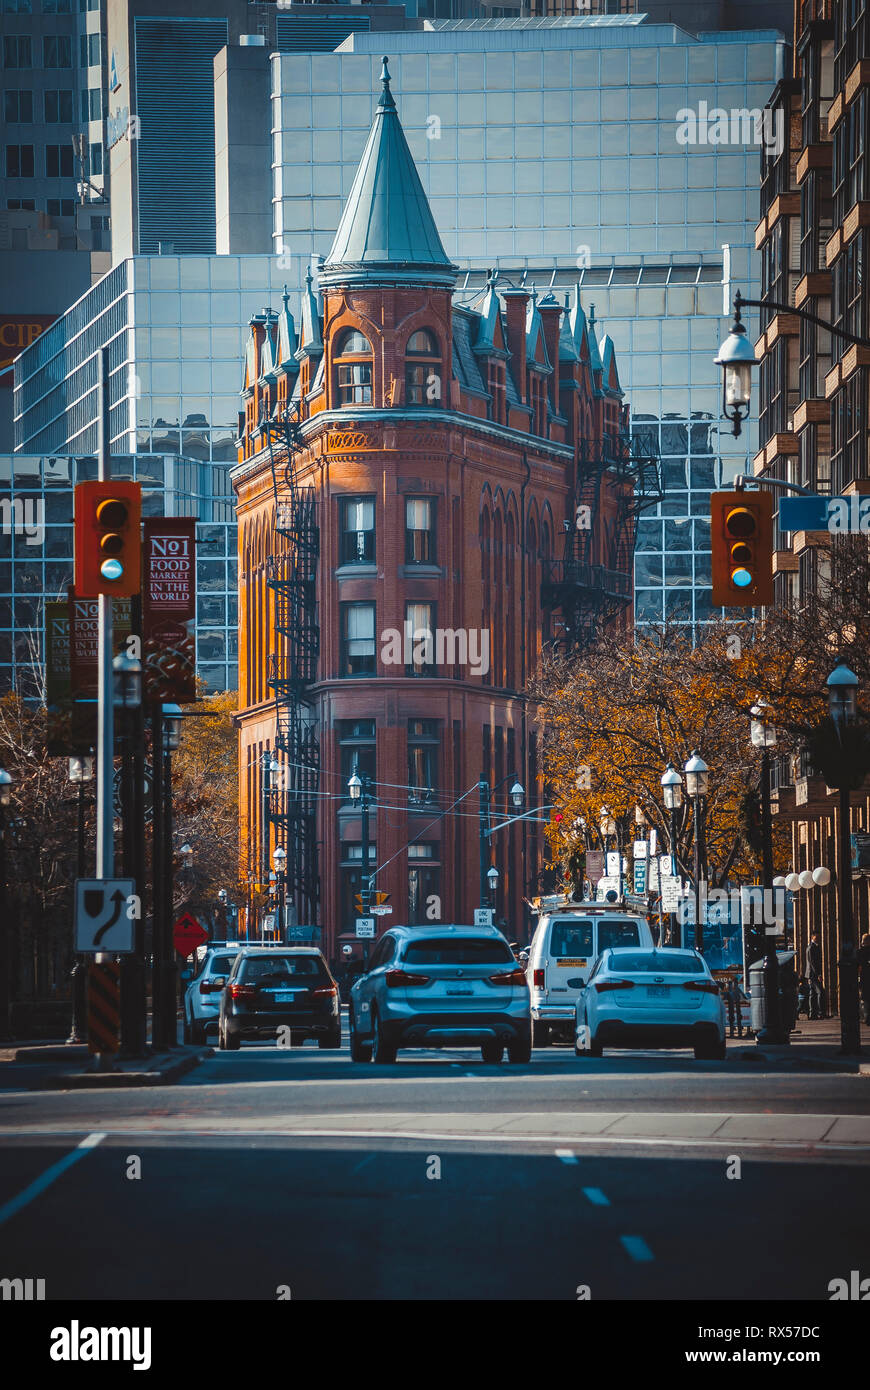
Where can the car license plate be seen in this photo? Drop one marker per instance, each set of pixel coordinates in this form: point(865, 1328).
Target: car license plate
point(460, 991)
point(657, 991)
point(285, 996)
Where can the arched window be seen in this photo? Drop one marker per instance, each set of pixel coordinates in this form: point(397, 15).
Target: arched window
point(353, 362)
point(423, 385)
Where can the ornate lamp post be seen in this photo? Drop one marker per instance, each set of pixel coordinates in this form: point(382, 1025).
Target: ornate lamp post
point(672, 791)
point(842, 686)
point(697, 776)
point(763, 736)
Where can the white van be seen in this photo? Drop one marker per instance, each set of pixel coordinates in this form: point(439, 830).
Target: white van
point(563, 951)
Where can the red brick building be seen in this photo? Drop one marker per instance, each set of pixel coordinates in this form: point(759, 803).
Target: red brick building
point(409, 474)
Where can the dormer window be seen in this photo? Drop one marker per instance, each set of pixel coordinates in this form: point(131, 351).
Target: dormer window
point(423, 384)
point(353, 362)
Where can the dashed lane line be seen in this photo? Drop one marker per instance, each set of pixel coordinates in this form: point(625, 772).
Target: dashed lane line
point(39, 1185)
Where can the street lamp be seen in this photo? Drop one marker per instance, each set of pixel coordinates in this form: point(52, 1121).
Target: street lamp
point(127, 679)
point(737, 359)
point(279, 859)
point(6, 782)
point(492, 879)
point(359, 788)
point(697, 776)
point(842, 686)
point(672, 791)
point(762, 733)
point(81, 770)
point(172, 717)
point(486, 793)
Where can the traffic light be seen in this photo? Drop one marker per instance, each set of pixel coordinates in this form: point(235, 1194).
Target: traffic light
point(108, 545)
point(741, 535)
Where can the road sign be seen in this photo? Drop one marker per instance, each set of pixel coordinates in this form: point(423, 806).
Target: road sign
point(380, 909)
point(483, 916)
point(594, 865)
point(268, 922)
point(670, 893)
point(640, 876)
point(187, 934)
point(102, 920)
point(365, 927)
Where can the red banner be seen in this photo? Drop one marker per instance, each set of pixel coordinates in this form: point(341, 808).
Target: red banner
point(169, 608)
point(82, 662)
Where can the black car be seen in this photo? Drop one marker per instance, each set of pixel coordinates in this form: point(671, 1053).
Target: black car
point(274, 988)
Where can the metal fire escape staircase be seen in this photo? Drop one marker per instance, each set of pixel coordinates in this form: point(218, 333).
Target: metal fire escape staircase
point(587, 593)
point(292, 577)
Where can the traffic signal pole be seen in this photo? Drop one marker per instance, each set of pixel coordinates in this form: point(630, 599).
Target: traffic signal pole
point(105, 865)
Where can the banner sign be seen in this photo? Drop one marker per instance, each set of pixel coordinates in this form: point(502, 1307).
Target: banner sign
point(71, 653)
point(169, 608)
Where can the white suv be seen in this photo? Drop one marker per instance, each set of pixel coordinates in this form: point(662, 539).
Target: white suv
point(565, 945)
point(202, 998)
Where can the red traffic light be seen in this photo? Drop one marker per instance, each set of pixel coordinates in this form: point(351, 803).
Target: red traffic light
point(741, 539)
point(108, 544)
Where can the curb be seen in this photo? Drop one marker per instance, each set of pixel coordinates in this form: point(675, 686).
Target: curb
point(793, 1062)
point(161, 1075)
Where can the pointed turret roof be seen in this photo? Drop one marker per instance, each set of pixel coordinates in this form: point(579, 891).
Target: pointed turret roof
point(387, 229)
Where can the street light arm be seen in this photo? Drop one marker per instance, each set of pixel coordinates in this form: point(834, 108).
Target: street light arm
point(739, 302)
point(526, 816)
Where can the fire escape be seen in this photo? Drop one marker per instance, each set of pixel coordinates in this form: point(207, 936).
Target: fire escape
point(292, 576)
point(592, 582)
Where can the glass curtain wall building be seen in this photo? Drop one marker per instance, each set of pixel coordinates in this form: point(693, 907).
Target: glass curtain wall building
point(560, 152)
point(36, 556)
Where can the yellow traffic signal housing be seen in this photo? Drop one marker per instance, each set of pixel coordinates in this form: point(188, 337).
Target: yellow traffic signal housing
point(741, 537)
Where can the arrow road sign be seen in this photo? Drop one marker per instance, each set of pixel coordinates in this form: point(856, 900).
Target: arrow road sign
point(102, 921)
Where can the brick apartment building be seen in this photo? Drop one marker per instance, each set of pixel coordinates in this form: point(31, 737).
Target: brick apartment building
point(814, 236)
point(411, 464)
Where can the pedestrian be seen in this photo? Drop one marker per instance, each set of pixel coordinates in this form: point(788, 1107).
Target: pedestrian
point(814, 977)
point(864, 974)
point(734, 1003)
point(803, 996)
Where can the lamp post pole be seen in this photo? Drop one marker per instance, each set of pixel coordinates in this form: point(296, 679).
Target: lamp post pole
point(672, 791)
point(843, 703)
point(359, 787)
point(280, 861)
point(697, 781)
point(5, 954)
point(763, 736)
point(483, 789)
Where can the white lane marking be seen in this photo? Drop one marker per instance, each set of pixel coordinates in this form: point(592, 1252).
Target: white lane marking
point(567, 1156)
point(596, 1197)
point(637, 1248)
point(810, 1146)
point(39, 1185)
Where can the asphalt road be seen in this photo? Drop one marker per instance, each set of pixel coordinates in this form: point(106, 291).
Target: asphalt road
point(208, 1189)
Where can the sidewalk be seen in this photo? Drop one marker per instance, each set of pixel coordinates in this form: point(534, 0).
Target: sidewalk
point(57, 1067)
point(814, 1046)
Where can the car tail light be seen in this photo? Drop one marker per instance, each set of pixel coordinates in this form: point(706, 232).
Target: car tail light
point(324, 992)
point(399, 979)
point(538, 979)
point(510, 977)
point(205, 987)
point(705, 986)
point(243, 991)
point(604, 986)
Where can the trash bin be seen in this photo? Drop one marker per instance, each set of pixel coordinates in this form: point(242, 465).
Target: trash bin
point(787, 993)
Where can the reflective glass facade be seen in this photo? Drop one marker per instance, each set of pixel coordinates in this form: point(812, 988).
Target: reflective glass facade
point(36, 557)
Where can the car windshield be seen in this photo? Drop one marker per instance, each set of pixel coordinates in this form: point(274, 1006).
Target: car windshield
point(458, 951)
point(571, 939)
point(618, 933)
point(281, 968)
point(655, 962)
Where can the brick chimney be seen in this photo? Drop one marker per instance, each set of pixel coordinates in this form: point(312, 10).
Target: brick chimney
point(516, 303)
point(551, 315)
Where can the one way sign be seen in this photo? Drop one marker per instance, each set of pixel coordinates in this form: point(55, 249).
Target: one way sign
point(106, 911)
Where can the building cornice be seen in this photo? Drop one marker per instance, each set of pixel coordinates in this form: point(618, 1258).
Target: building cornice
point(316, 424)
